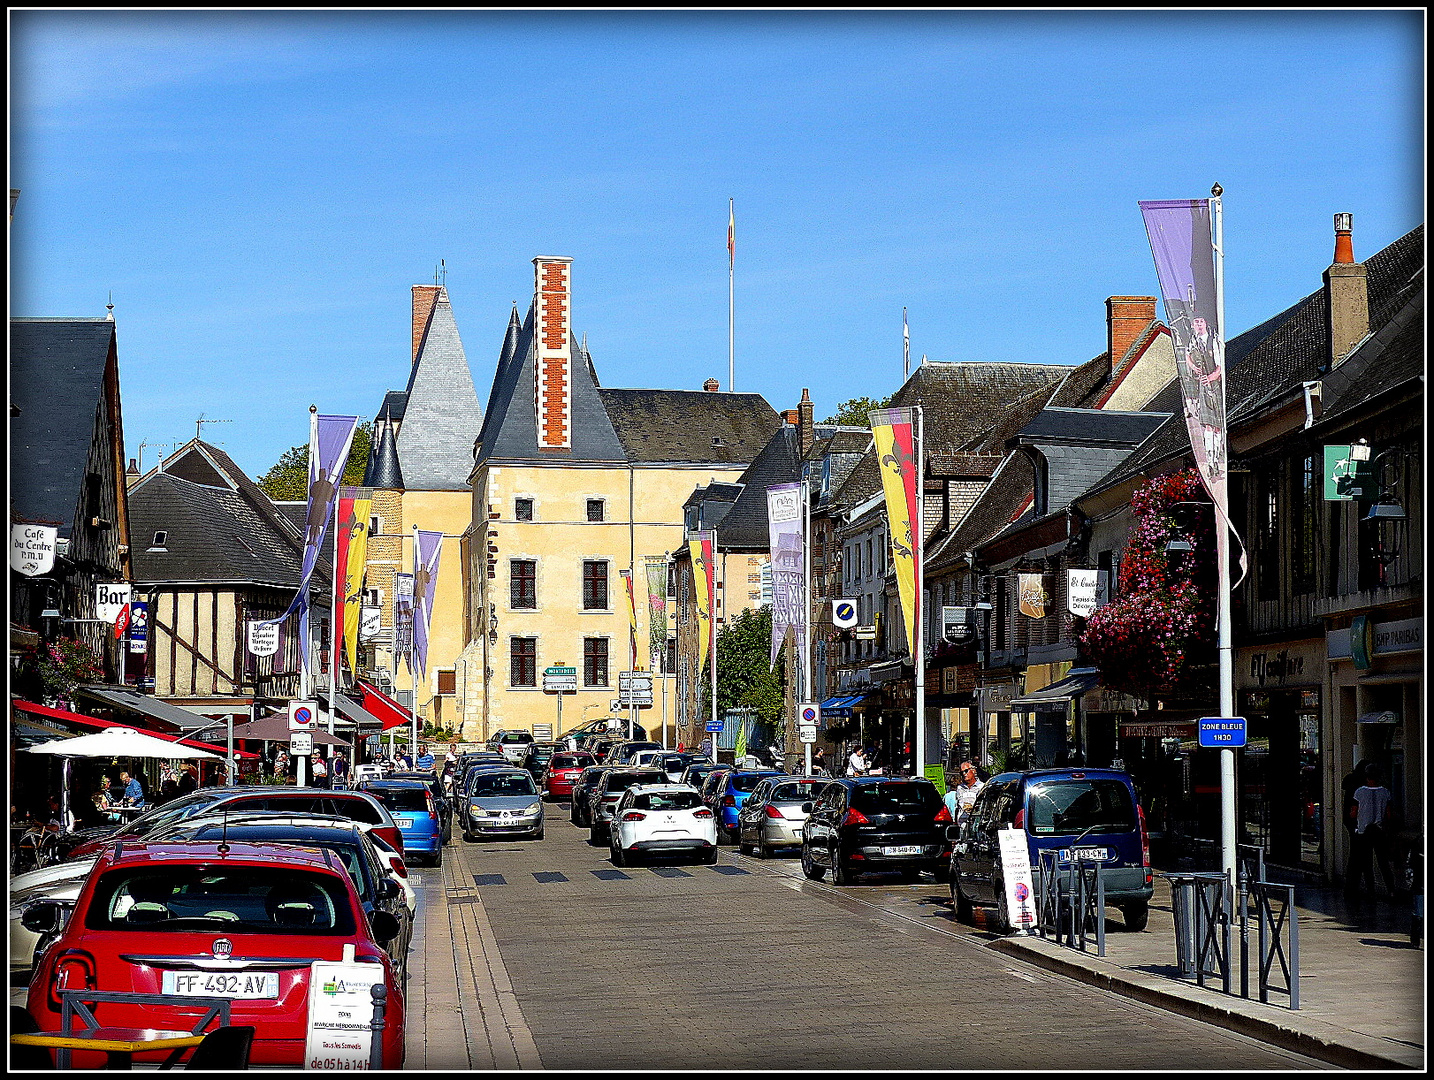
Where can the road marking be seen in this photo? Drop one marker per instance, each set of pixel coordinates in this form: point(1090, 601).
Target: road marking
point(489, 879)
point(668, 871)
point(546, 876)
point(610, 875)
point(729, 870)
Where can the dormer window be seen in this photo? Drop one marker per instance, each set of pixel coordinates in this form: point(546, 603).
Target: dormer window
point(161, 537)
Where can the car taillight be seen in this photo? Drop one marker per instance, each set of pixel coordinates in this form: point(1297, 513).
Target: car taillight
point(773, 812)
point(1020, 821)
point(432, 806)
point(74, 970)
point(1144, 843)
point(702, 815)
point(853, 817)
point(398, 867)
point(634, 815)
point(942, 815)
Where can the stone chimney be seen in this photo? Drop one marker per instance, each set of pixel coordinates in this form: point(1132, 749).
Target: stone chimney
point(424, 297)
point(131, 474)
point(1346, 294)
point(553, 393)
point(805, 425)
point(711, 386)
point(1126, 318)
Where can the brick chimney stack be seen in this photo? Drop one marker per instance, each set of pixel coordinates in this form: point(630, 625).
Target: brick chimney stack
point(711, 386)
point(805, 425)
point(553, 394)
point(1346, 294)
point(424, 297)
point(1126, 318)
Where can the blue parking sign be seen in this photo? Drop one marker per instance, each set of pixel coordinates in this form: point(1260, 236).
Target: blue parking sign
point(1222, 732)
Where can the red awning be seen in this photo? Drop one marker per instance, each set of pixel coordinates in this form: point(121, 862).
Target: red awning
point(384, 707)
point(69, 717)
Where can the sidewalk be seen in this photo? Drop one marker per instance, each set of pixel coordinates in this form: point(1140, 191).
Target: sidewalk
point(1361, 988)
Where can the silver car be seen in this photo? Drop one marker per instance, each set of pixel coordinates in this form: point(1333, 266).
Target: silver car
point(775, 812)
point(501, 802)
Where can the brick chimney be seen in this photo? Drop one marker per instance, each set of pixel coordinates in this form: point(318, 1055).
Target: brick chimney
point(131, 474)
point(1346, 294)
point(553, 392)
point(791, 416)
point(424, 297)
point(805, 432)
point(1126, 318)
point(711, 386)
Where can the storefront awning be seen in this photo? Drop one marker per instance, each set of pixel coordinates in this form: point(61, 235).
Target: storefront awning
point(841, 704)
point(172, 717)
point(1058, 693)
point(31, 733)
point(365, 720)
point(64, 715)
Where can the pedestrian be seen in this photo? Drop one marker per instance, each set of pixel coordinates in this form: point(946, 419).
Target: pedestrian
point(1348, 786)
point(188, 781)
point(55, 821)
point(321, 772)
point(339, 770)
point(856, 765)
point(819, 762)
point(133, 791)
point(1370, 842)
point(962, 797)
point(281, 765)
point(452, 756)
point(168, 789)
point(425, 760)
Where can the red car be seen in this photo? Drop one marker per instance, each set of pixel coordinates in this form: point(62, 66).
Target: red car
point(202, 919)
point(562, 770)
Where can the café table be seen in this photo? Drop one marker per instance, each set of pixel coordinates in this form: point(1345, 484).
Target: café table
point(119, 1043)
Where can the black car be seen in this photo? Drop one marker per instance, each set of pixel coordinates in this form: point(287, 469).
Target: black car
point(697, 773)
point(539, 754)
point(376, 889)
point(871, 824)
point(583, 787)
point(440, 798)
point(606, 792)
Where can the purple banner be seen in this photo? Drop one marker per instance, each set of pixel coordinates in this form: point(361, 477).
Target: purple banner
point(784, 531)
point(403, 619)
point(428, 548)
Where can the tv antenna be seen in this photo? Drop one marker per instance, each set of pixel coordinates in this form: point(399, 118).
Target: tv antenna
point(440, 271)
point(202, 420)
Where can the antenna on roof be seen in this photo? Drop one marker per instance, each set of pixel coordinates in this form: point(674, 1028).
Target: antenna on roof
point(440, 271)
point(202, 420)
point(110, 307)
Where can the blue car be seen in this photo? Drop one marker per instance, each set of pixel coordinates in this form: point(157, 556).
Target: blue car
point(729, 792)
point(411, 804)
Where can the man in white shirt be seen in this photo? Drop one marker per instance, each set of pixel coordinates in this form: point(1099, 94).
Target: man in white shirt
point(962, 797)
point(1370, 841)
point(856, 764)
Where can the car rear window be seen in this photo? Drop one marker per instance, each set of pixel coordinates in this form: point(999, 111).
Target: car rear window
point(1069, 807)
point(570, 761)
point(803, 791)
point(492, 785)
point(517, 737)
point(895, 797)
point(616, 781)
point(666, 800)
point(222, 900)
point(403, 799)
point(748, 781)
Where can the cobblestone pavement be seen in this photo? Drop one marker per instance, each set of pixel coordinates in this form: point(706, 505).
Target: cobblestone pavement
point(540, 954)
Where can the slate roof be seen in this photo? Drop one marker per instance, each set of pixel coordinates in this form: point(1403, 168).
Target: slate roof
point(745, 526)
point(1269, 360)
point(441, 416)
point(57, 368)
point(959, 398)
point(1090, 426)
point(1388, 360)
point(394, 403)
point(677, 426)
point(383, 469)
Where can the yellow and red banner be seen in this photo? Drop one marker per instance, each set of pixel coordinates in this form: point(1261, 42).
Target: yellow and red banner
point(699, 547)
point(355, 509)
point(626, 576)
point(895, 437)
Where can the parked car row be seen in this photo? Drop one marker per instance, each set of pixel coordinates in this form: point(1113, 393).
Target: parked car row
point(234, 893)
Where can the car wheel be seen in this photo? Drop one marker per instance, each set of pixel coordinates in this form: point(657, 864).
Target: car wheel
point(539, 834)
point(709, 857)
point(467, 836)
point(593, 836)
point(910, 874)
point(618, 857)
point(841, 874)
point(1137, 914)
point(811, 870)
point(941, 871)
point(962, 905)
point(762, 850)
point(999, 921)
point(436, 860)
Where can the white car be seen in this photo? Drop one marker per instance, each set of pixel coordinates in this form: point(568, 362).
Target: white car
point(60, 882)
point(662, 819)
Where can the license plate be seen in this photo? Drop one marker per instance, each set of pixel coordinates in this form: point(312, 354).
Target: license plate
point(904, 849)
point(405, 823)
point(1088, 853)
point(249, 985)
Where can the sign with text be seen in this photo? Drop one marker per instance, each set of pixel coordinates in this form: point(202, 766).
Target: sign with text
point(560, 680)
point(139, 627)
point(370, 622)
point(32, 549)
point(634, 688)
point(263, 638)
point(1085, 592)
point(301, 743)
point(110, 599)
point(1016, 869)
point(1225, 732)
point(340, 1010)
point(1346, 478)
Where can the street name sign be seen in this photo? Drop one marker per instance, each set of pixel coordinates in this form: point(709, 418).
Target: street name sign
point(634, 688)
point(1224, 732)
point(560, 680)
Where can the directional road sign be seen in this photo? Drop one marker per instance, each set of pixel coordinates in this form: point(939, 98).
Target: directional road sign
point(558, 679)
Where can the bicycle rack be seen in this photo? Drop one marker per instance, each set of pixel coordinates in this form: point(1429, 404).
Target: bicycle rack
point(1080, 903)
point(1271, 949)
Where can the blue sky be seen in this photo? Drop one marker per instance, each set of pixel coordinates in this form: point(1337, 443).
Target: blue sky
point(260, 190)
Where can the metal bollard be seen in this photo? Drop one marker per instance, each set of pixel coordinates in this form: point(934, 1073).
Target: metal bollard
point(379, 993)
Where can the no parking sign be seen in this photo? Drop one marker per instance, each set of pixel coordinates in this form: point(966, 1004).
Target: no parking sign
point(809, 718)
point(301, 715)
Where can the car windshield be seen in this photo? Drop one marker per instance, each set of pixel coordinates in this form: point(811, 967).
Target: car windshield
point(177, 810)
point(747, 781)
point(802, 791)
point(672, 763)
point(666, 800)
point(490, 785)
point(896, 797)
point(401, 799)
point(348, 852)
point(1070, 807)
point(223, 900)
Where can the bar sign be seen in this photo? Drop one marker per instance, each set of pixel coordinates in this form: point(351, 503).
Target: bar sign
point(1224, 732)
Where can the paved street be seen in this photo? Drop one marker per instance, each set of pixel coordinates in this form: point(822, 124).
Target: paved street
point(558, 960)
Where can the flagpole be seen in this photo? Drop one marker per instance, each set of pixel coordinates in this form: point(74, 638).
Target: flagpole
point(807, 693)
point(918, 653)
point(1222, 548)
point(731, 309)
point(412, 652)
point(712, 619)
point(905, 348)
point(337, 607)
point(306, 679)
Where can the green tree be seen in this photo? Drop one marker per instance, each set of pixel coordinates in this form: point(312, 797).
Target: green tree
point(288, 479)
point(744, 676)
point(854, 412)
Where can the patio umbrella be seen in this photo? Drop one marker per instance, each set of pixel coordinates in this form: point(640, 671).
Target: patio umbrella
point(111, 742)
point(270, 729)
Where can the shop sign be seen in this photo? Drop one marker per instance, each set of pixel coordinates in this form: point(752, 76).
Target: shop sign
point(1159, 730)
point(1293, 663)
point(997, 698)
point(1378, 639)
point(32, 549)
point(1085, 592)
point(110, 600)
point(1346, 479)
point(1105, 700)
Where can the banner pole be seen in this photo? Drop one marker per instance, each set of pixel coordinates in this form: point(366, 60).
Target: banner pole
point(918, 651)
point(336, 603)
point(731, 301)
point(412, 652)
point(712, 618)
point(1222, 553)
point(807, 694)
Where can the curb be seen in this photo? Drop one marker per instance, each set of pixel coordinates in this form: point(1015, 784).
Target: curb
point(1334, 1048)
